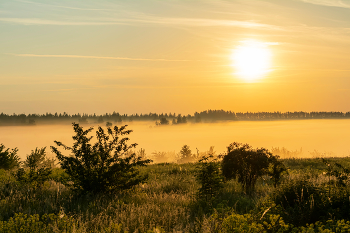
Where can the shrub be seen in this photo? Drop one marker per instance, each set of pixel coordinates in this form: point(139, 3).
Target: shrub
point(210, 177)
point(186, 155)
point(8, 158)
point(104, 166)
point(276, 169)
point(241, 223)
point(40, 168)
point(246, 164)
point(33, 223)
point(338, 171)
point(301, 202)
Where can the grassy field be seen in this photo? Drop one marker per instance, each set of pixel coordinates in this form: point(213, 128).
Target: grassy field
point(308, 200)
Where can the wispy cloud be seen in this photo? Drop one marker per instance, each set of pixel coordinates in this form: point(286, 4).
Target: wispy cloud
point(203, 22)
point(190, 22)
point(99, 57)
point(332, 3)
point(64, 7)
point(37, 21)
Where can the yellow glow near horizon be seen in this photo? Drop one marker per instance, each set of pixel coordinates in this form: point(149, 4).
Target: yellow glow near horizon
point(251, 60)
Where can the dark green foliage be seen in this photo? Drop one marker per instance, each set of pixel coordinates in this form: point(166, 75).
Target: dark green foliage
point(22, 223)
point(186, 155)
point(276, 169)
point(246, 164)
point(38, 166)
point(340, 173)
point(301, 202)
point(210, 177)
point(8, 158)
point(162, 121)
point(104, 166)
point(108, 124)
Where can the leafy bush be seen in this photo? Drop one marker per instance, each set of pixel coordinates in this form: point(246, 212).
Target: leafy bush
point(22, 223)
point(337, 170)
point(104, 166)
point(186, 155)
point(8, 158)
point(40, 168)
point(302, 201)
point(276, 169)
point(241, 223)
point(246, 164)
point(210, 177)
point(275, 224)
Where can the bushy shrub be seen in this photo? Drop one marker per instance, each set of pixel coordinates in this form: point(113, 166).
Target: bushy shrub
point(104, 166)
point(186, 155)
point(8, 158)
point(336, 170)
point(39, 168)
point(302, 201)
point(247, 164)
point(275, 224)
point(210, 177)
point(22, 223)
point(275, 170)
point(241, 223)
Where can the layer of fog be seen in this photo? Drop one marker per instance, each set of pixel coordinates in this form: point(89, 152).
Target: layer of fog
point(299, 138)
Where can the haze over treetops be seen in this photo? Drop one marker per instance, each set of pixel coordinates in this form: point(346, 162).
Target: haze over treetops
point(174, 56)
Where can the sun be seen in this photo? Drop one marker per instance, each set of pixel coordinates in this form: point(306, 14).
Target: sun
point(251, 60)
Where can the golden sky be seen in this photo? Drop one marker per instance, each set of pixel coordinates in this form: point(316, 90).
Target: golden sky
point(173, 56)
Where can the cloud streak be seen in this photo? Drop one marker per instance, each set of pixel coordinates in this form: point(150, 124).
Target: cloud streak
point(100, 57)
point(38, 21)
point(64, 7)
point(190, 22)
point(331, 3)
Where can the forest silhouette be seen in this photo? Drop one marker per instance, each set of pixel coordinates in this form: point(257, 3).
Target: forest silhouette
point(166, 118)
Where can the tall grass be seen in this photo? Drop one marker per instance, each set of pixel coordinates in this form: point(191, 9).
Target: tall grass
point(167, 202)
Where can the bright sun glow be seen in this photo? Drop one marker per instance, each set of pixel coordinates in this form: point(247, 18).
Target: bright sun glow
point(251, 60)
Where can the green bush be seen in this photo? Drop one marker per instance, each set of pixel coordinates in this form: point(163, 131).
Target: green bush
point(246, 164)
point(38, 166)
point(210, 177)
point(104, 166)
point(8, 158)
point(22, 223)
point(276, 169)
point(241, 223)
point(186, 155)
point(302, 201)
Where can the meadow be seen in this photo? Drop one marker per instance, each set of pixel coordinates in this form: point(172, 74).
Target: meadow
point(167, 202)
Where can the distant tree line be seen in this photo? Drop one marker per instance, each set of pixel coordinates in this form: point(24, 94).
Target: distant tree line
point(166, 118)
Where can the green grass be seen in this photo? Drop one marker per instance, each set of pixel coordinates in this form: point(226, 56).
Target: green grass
point(167, 203)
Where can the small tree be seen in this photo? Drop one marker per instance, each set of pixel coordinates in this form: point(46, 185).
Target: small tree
point(40, 168)
point(210, 177)
point(246, 164)
point(186, 155)
point(103, 166)
point(8, 158)
point(276, 169)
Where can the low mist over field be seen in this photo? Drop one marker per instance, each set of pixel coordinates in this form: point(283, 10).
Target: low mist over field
point(291, 138)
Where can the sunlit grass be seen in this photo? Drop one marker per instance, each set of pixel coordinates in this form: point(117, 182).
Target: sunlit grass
point(167, 202)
